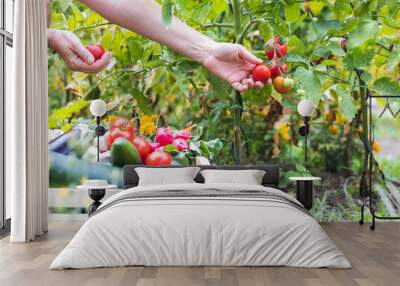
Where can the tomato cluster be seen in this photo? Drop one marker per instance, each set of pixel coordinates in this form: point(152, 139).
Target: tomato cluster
point(276, 69)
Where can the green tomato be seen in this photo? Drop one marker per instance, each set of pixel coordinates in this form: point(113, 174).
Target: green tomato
point(288, 83)
point(301, 92)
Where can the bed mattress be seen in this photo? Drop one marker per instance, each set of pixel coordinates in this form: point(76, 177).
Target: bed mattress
point(201, 225)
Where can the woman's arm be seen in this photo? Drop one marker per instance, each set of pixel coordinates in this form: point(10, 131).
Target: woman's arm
point(230, 62)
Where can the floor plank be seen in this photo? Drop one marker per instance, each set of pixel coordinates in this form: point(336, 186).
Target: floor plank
point(375, 257)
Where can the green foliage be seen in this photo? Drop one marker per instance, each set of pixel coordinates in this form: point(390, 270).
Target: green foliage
point(166, 12)
point(332, 44)
point(310, 82)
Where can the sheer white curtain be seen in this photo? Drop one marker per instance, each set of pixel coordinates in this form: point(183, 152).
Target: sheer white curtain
point(26, 143)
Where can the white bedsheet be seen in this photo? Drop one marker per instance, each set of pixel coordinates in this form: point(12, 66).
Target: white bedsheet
point(200, 231)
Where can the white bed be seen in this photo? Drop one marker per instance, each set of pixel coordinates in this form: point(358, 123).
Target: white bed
point(183, 230)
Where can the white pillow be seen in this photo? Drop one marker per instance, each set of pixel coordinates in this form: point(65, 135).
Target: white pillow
point(166, 176)
point(248, 177)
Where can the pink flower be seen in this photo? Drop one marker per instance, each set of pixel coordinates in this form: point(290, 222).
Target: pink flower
point(181, 144)
point(164, 136)
point(183, 134)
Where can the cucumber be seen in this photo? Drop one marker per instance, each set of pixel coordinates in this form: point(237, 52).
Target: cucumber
point(124, 153)
point(67, 171)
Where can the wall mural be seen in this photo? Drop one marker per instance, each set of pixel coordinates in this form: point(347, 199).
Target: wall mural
point(165, 109)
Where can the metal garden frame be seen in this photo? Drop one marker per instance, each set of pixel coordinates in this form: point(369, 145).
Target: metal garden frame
point(371, 165)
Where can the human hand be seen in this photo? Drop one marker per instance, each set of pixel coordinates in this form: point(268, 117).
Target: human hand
point(75, 55)
point(233, 63)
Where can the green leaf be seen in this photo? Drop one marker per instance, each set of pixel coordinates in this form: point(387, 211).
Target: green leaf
point(316, 6)
point(219, 88)
point(77, 13)
point(182, 80)
point(342, 8)
point(295, 45)
point(201, 12)
point(79, 76)
point(364, 31)
point(294, 58)
point(310, 82)
point(329, 62)
point(336, 49)
point(107, 39)
point(210, 149)
point(142, 100)
point(366, 77)
point(392, 23)
point(218, 6)
point(280, 26)
point(166, 12)
point(257, 96)
point(218, 108)
point(346, 103)
point(393, 59)
point(292, 12)
point(358, 58)
point(387, 87)
point(171, 149)
point(135, 49)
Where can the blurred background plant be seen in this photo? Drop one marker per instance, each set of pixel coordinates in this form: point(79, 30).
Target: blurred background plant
point(339, 53)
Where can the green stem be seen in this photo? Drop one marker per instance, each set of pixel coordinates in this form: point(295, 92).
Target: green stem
point(93, 26)
point(247, 27)
point(236, 14)
point(125, 73)
point(238, 103)
point(364, 134)
point(220, 25)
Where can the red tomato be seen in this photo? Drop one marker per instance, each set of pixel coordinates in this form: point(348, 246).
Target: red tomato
point(280, 86)
point(275, 48)
point(277, 69)
point(142, 146)
point(158, 158)
point(121, 127)
point(118, 133)
point(261, 73)
point(96, 50)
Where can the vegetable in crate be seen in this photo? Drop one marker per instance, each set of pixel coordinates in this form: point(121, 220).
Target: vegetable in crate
point(164, 136)
point(142, 146)
point(124, 153)
point(121, 128)
point(159, 158)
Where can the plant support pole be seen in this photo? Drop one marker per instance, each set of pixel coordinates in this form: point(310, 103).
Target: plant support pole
point(238, 103)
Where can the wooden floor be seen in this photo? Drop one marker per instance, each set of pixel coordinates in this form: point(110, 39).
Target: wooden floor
point(375, 257)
